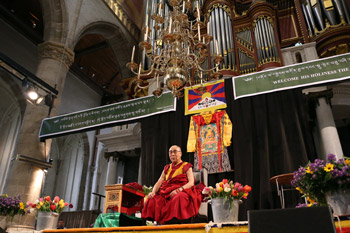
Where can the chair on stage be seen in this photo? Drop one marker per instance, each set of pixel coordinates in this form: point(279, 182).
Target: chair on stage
point(201, 177)
point(282, 183)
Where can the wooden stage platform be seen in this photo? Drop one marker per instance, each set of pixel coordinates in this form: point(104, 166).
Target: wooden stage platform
point(186, 228)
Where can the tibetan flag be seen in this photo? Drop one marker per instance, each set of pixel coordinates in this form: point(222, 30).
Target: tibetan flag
point(211, 98)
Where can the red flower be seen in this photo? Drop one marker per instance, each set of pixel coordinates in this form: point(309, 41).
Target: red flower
point(234, 193)
point(70, 205)
point(47, 198)
point(34, 206)
point(247, 189)
point(53, 207)
point(224, 181)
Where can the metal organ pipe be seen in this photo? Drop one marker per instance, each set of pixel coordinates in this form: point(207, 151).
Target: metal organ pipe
point(232, 47)
point(218, 31)
point(307, 19)
point(317, 10)
point(224, 38)
point(329, 11)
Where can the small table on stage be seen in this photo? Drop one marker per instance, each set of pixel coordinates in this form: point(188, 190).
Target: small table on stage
point(281, 180)
point(123, 199)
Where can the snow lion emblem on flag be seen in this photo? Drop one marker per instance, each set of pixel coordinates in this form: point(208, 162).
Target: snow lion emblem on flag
point(213, 97)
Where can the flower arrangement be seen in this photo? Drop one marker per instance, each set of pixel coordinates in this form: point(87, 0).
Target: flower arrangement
point(320, 177)
point(12, 206)
point(228, 190)
point(45, 204)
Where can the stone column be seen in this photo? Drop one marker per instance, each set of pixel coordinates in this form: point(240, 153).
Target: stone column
point(26, 178)
point(328, 135)
point(112, 170)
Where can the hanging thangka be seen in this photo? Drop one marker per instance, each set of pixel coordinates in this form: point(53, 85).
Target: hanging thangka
point(209, 135)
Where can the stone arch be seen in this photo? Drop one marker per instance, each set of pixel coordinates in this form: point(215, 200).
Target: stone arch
point(298, 57)
point(67, 178)
point(116, 40)
point(55, 18)
point(12, 106)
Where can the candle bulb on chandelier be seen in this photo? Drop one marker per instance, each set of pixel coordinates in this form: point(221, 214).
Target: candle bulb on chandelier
point(170, 25)
point(199, 16)
point(199, 33)
point(133, 53)
point(183, 7)
point(146, 34)
point(160, 7)
point(139, 73)
point(146, 24)
point(217, 47)
point(208, 28)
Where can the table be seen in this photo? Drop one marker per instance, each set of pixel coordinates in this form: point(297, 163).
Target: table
point(123, 199)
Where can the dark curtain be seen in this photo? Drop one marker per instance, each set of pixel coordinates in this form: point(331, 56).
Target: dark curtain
point(271, 136)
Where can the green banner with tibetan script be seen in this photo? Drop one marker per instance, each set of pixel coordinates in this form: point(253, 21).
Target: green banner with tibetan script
point(324, 70)
point(107, 115)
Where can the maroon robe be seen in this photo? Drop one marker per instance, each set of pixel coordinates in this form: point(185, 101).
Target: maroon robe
point(183, 205)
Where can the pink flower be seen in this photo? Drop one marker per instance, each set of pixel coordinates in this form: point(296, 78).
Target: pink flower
point(41, 199)
point(66, 203)
point(56, 199)
point(206, 190)
point(224, 181)
point(237, 185)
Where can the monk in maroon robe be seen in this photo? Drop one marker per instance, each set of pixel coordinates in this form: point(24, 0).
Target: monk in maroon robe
point(174, 196)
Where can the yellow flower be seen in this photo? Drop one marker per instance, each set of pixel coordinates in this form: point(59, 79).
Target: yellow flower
point(309, 171)
point(219, 190)
point(299, 189)
point(310, 200)
point(329, 167)
point(38, 206)
point(61, 205)
point(61, 201)
point(41, 203)
point(21, 205)
point(347, 161)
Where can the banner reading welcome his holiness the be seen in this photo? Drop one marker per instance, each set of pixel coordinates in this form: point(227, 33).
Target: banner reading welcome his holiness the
point(325, 70)
point(213, 97)
point(107, 115)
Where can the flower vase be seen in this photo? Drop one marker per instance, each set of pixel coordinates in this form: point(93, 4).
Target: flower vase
point(46, 220)
point(339, 202)
point(222, 211)
point(3, 221)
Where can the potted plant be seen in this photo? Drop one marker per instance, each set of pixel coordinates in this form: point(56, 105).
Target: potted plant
point(9, 208)
point(48, 211)
point(325, 181)
point(225, 199)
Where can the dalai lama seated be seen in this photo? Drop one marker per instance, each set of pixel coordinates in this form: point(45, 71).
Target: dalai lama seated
point(174, 196)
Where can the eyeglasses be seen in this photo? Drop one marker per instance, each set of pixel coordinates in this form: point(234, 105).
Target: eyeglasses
point(173, 151)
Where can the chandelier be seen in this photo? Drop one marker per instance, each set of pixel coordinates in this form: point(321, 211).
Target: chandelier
point(176, 50)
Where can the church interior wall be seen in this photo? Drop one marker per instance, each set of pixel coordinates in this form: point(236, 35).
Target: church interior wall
point(18, 47)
